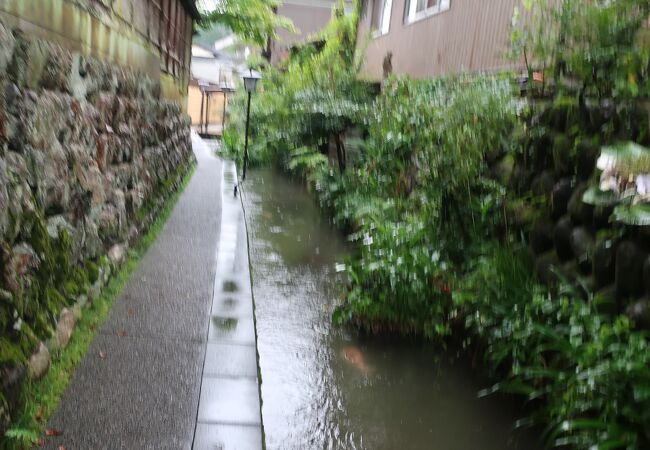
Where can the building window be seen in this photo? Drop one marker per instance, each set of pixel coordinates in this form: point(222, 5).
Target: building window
point(381, 16)
point(419, 9)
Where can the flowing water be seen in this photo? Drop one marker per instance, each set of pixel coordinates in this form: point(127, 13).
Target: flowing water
point(324, 387)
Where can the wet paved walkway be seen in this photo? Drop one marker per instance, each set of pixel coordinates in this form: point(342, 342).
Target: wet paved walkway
point(144, 393)
point(229, 408)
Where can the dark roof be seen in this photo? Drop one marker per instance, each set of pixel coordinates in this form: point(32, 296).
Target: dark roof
point(190, 7)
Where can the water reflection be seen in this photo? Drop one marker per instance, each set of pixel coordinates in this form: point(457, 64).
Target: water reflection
point(324, 388)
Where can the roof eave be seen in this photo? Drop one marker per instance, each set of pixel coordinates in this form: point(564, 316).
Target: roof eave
point(190, 7)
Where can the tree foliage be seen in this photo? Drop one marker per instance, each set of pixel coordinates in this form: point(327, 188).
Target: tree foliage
point(254, 21)
point(601, 47)
point(419, 195)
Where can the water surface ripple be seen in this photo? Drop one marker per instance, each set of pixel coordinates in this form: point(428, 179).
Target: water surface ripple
point(326, 388)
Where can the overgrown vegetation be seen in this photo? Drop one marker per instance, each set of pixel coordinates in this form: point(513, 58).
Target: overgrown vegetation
point(586, 373)
point(253, 21)
point(432, 179)
point(39, 398)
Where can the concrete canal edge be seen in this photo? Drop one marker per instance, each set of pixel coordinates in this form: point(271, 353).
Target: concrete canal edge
point(229, 410)
point(242, 192)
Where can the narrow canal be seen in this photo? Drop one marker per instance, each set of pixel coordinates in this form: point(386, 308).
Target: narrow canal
point(328, 388)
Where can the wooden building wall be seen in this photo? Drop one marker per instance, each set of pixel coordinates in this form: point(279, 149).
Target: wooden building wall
point(307, 18)
point(473, 35)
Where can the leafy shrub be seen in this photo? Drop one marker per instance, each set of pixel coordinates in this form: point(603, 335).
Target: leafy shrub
point(435, 256)
point(588, 374)
point(314, 96)
point(601, 45)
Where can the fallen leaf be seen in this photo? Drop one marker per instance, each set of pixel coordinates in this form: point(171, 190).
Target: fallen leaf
point(102, 355)
point(121, 333)
point(61, 447)
point(52, 432)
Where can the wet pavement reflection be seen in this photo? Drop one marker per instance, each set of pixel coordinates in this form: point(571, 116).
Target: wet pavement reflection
point(324, 387)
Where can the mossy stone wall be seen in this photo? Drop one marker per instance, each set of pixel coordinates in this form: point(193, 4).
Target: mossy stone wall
point(87, 151)
point(570, 240)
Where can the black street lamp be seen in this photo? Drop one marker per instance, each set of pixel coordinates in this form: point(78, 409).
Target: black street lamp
point(250, 81)
point(203, 85)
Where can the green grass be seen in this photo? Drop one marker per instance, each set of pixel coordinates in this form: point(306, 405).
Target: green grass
point(40, 398)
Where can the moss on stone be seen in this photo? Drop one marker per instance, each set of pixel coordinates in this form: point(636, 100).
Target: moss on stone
point(10, 353)
point(92, 271)
point(43, 395)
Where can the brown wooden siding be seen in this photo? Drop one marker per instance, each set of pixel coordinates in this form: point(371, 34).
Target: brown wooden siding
point(307, 20)
point(473, 35)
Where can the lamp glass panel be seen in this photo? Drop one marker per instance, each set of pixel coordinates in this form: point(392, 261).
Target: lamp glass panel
point(249, 83)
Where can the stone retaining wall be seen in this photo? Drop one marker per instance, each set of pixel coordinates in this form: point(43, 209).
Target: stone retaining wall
point(570, 240)
point(88, 151)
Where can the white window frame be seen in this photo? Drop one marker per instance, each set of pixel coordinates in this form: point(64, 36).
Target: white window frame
point(384, 18)
point(412, 16)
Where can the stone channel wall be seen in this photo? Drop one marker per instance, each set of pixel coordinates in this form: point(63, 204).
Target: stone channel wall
point(88, 151)
point(570, 240)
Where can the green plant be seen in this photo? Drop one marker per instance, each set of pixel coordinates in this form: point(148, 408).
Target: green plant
point(253, 20)
point(424, 194)
point(587, 373)
point(307, 102)
point(600, 46)
point(22, 437)
point(624, 183)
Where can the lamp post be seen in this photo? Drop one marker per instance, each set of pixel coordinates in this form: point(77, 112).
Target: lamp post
point(250, 81)
point(202, 86)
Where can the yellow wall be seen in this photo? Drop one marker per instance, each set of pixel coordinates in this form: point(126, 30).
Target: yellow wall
point(194, 104)
point(215, 109)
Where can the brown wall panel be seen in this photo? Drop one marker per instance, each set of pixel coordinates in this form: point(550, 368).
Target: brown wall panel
point(473, 35)
point(307, 19)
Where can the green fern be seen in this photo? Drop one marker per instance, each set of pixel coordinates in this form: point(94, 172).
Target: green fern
point(306, 160)
point(22, 436)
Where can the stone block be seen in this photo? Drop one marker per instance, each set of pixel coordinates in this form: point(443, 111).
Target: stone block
point(17, 66)
point(582, 243)
point(543, 183)
point(629, 270)
point(7, 43)
point(4, 200)
point(39, 362)
point(560, 197)
point(639, 313)
point(545, 267)
point(48, 66)
point(581, 213)
point(541, 235)
point(604, 258)
point(64, 328)
point(562, 238)
point(229, 401)
point(89, 177)
point(646, 275)
point(117, 254)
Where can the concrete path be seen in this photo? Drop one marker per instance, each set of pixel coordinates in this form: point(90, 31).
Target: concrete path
point(144, 394)
point(229, 409)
